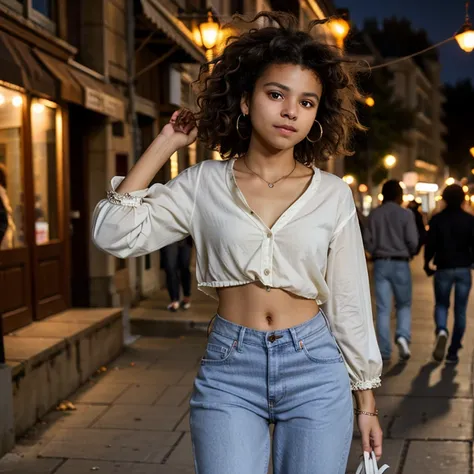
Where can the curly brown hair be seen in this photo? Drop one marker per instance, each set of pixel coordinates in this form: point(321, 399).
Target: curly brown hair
point(245, 57)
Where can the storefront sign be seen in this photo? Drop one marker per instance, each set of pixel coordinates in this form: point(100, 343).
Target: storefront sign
point(104, 103)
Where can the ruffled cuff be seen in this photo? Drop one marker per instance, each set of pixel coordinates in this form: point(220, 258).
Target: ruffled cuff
point(133, 199)
point(366, 384)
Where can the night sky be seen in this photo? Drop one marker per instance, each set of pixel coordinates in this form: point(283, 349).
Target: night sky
point(441, 19)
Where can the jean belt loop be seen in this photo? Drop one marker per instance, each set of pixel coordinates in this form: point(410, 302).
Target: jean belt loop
point(240, 343)
point(294, 336)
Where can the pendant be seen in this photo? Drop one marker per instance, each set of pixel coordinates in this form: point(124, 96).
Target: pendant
point(270, 185)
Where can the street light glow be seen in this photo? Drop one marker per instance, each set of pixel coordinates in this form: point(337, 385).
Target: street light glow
point(349, 179)
point(471, 150)
point(390, 161)
point(370, 102)
point(363, 188)
point(465, 189)
point(450, 181)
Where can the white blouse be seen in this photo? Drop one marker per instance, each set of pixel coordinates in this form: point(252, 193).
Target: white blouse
point(313, 250)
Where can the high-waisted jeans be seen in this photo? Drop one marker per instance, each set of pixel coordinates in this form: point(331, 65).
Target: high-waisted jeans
point(293, 378)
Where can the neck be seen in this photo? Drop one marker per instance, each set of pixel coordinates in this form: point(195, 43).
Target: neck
point(268, 162)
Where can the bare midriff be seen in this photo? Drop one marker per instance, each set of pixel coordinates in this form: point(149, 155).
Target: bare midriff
point(263, 308)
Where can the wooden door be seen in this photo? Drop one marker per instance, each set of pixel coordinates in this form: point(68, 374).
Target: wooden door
point(49, 203)
point(15, 264)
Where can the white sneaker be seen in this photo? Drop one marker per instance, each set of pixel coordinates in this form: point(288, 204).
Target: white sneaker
point(440, 346)
point(403, 349)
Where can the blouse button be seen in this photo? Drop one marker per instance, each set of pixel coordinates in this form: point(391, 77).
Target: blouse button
point(267, 271)
point(269, 235)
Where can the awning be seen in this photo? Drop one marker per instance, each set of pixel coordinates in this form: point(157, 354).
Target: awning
point(20, 67)
point(83, 89)
point(172, 27)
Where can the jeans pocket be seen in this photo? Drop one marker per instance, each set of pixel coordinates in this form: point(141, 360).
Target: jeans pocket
point(321, 348)
point(218, 350)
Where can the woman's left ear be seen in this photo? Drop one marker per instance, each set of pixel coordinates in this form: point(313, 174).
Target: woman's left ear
point(244, 106)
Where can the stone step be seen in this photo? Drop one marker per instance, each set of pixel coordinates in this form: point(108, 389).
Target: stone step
point(50, 359)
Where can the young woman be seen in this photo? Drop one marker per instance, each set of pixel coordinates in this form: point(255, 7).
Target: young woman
point(7, 241)
point(276, 238)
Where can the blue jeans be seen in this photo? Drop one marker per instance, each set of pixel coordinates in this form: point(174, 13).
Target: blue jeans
point(392, 277)
point(293, 378)
point(444, 280)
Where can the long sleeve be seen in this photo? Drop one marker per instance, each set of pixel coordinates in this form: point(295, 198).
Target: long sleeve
point(412, 237)
point(430, 242)
point(349, 305)
point(148, 219)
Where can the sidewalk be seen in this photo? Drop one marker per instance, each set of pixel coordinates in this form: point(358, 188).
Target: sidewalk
point(133, 417)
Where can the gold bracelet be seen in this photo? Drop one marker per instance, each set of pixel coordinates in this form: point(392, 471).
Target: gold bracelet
point(361, 412)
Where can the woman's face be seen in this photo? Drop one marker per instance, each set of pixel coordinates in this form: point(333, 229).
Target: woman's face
point(283, 106)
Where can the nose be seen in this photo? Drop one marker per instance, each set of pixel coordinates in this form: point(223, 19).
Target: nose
point(289, 112)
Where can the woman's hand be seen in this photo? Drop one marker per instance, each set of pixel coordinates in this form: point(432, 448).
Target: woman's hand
point(372, 434)
point(181, 129)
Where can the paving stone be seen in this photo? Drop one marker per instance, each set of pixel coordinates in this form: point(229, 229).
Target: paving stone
point(431, 379)
point(174, 396)
point(188, 378)
point(392, 450)
point(138, 394)
point(145, 376)
point(106, 467)
point(142, 417)
point(82, 417)
point(13, 463)
point(437, 457)
point(111, 445)
point(183, 453)
point(433, 418)
point(102, 391)
point(184, 424)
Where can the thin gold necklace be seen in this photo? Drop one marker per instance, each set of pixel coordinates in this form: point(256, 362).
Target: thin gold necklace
point(270, 185)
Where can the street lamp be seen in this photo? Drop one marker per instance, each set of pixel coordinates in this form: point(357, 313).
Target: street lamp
point(465, 35)
point(339, 27)
point(471, 150)
point(450, 181)
point(207, 35)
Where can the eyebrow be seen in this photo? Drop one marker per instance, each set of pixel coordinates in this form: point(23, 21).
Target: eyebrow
point(286, 88)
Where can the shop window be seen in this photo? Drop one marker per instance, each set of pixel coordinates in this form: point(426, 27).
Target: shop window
point(11, 168)
point(44, 127)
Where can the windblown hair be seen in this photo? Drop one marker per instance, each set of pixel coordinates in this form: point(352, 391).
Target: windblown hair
point(243, 61)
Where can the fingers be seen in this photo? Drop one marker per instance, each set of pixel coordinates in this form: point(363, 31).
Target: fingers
point(377, 439)
point(366, 447)
point(184, 121)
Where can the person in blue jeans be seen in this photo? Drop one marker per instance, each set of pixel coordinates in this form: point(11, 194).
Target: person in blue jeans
point(391, 237)
point(450, 243)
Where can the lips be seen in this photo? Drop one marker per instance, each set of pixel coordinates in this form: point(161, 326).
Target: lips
point(285, 129)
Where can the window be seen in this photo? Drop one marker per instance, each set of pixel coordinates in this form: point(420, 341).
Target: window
point(45, 7)
point(44, 122)
point(11, 167)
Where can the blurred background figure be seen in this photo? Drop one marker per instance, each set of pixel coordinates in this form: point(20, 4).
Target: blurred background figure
point(9, 234)
point(176, 260)
point(420, 224)
point(450, 243)
point(391, 238)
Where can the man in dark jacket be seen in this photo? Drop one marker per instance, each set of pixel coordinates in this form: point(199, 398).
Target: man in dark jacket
point(450, 243)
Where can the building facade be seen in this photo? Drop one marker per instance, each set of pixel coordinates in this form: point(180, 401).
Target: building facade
point(419, 162)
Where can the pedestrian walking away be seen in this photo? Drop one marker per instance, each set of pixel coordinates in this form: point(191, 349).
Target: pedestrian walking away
point(391, 238)
point(278, 245)
point(176, 259)
point(450, 244)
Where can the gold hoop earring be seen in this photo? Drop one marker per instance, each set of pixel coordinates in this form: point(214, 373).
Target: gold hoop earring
point(237, 127)
point(320, 136)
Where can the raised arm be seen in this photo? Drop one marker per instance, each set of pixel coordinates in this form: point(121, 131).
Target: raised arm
point(134, 220)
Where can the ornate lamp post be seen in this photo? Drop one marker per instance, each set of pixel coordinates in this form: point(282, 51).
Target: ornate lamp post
point(465, 35)
point(207, 35)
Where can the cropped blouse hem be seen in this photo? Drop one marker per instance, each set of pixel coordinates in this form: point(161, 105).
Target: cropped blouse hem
point(366, 384)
